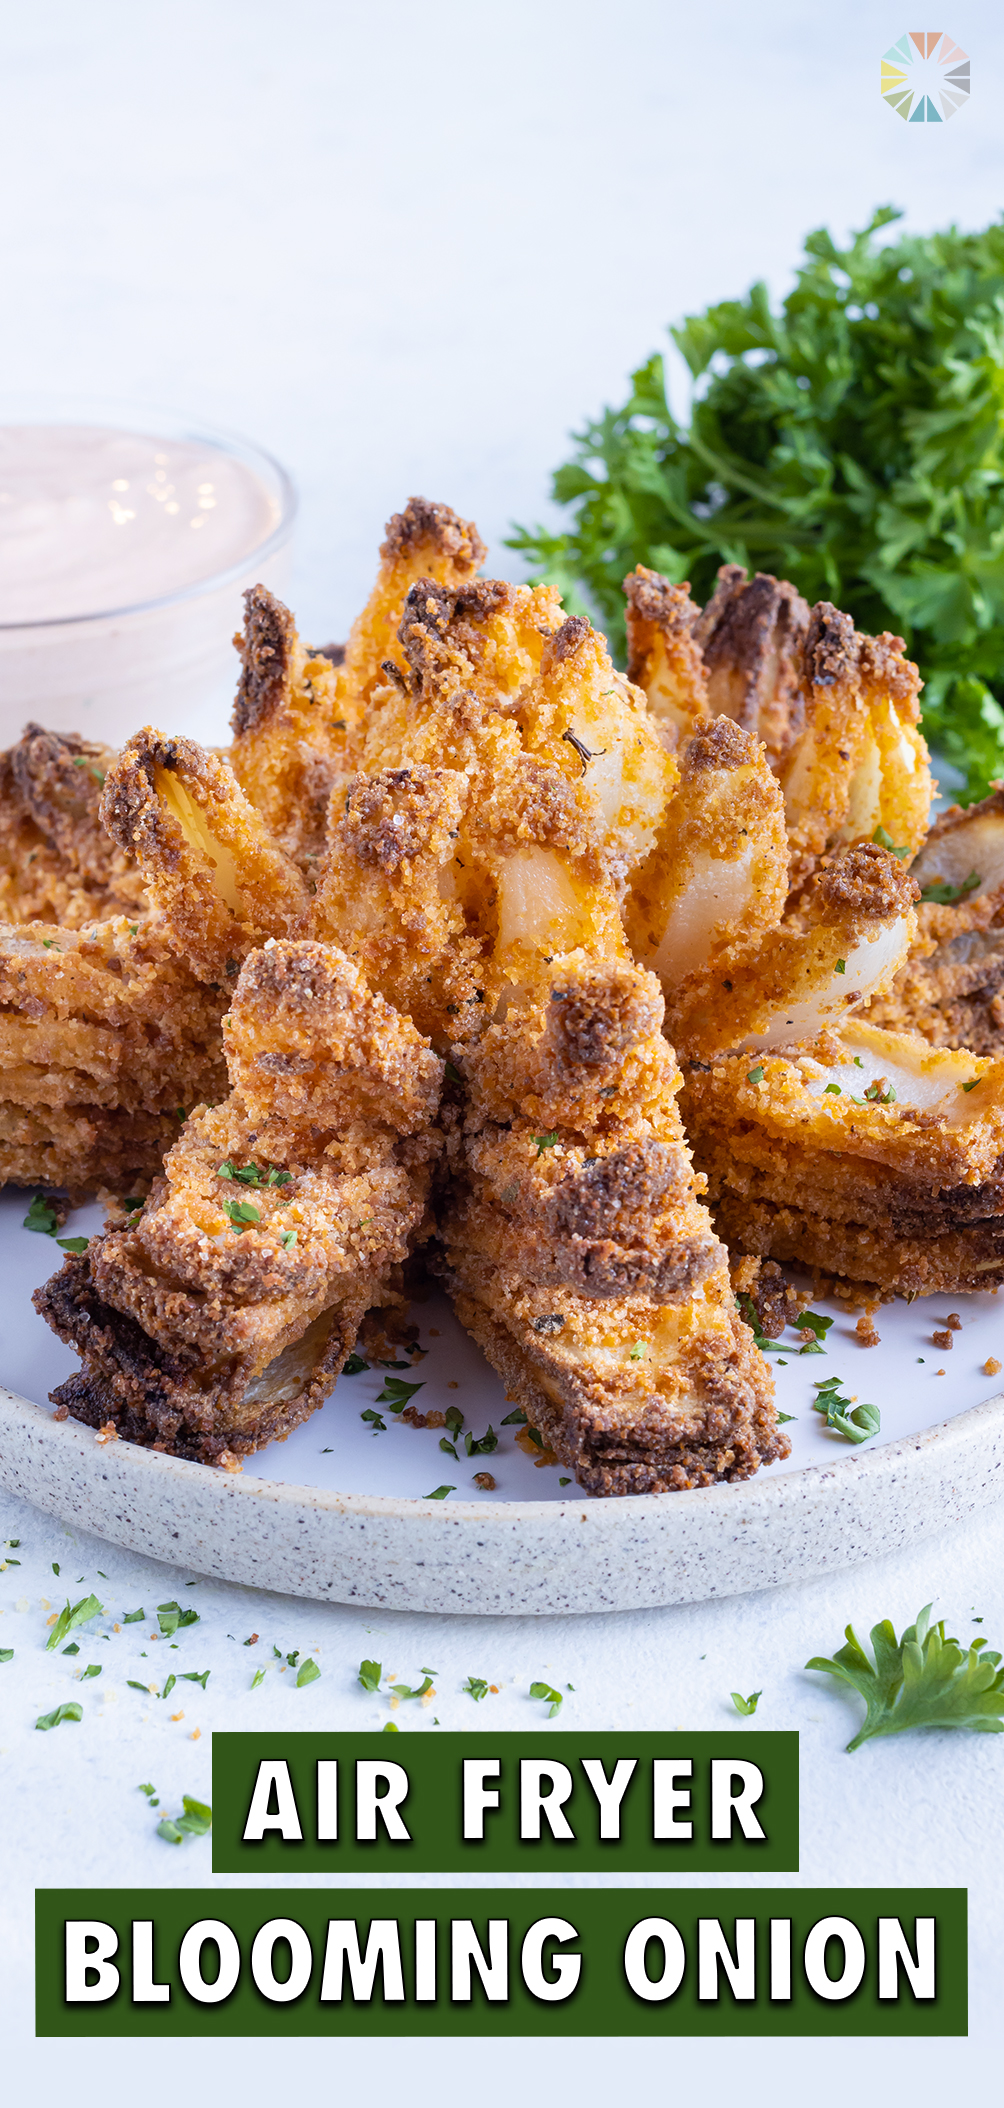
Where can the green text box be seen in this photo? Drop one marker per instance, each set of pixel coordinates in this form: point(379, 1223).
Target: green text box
point(598, 1927)
point(432, 1812)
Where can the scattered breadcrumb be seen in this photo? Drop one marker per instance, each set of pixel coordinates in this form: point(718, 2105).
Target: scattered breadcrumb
point(953, 1321)
point(866, 1334)
point(228, 1461)
point(991, 1366)
point(108, 1433)
point(485, 1480)
point(942, 1339)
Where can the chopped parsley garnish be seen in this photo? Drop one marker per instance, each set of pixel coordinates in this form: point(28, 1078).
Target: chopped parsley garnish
point(169, 1684)
point(439, 1493)
point(515, 1419)
point(552, 1698)
point(396, 1393)
point(58, 1715)
point(309, 1673)
point(857, 1423)
point(72, 1648)
point(196, 1822)
point(257, 1678)
point(145, 1687)
point(449, 1448)
point(370, 1674)
point(195, 1676)
point(41, 1217)
point(545, 1142)
point(755, 1075)
point(401, 1689)
point(243, 1214)
point(135, 1617)
point(355, 1365)
point(377, 1421)
point(885, 841)
point(785, 1417)
point(946, 896)
point(922, 1680)
point(746, 1706)
point(841, 966)
point(6, 1654)
point(454, 1419)
point(637, 1352)
point(879, 1096)
point(475, 1687)
point(172, 1618)
point(972, 1086)
point(68, 1620)
point(481, 1445)
point(288, 1238)
point(811, 1321)
point(92, 1669)
point(564, 1482)
point(832, 1090)
point(73, 1244)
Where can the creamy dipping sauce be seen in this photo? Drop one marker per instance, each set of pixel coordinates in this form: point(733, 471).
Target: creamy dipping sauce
point(93, 519)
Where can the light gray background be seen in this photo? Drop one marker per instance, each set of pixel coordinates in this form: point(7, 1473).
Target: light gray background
point(408, 247)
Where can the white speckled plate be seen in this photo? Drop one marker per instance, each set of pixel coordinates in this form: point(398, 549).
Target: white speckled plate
point(341, 1511)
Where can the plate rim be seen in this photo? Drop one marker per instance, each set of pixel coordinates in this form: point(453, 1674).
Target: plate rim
point(860, 1465)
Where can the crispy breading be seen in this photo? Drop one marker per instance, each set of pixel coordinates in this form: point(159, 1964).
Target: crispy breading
point(898, 1145)
point(57, 864)
point(221, 883)
point(951, 987)
point(387, 893)
point(664, 657)
point(222, 1314)
point(856, 925)
point(579, 1252)
point(291, 732)
point(105, 1037)
point(751, 636)
point(717, 879)
point(860, 764)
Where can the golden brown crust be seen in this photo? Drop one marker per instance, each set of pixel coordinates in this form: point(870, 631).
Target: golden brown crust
point(751, 636)
point(267, 647)
point(56, 861)
point(220, 881)
point(424, 525)
point(664, 657)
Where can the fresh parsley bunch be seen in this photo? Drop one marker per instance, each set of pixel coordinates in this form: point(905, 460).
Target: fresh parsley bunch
point(851, 440)
point(922, 1680)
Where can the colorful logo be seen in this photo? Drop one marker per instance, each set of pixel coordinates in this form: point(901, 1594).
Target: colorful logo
point(925, 68)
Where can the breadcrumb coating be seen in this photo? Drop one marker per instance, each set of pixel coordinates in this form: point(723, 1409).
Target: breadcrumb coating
point(57, 864)
point(876, 1146)
point(951, 987)
point(664, 657)
point(222, 1314)
point(105, 1037)
point(751, 636)
point(220, 882)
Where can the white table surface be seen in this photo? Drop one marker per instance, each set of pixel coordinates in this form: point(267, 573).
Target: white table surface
point(408, 249)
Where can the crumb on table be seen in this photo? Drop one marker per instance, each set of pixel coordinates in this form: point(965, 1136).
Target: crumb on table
point(991, 1366)
point(942, 1339)
point(866, 1333)
point(953, 1321)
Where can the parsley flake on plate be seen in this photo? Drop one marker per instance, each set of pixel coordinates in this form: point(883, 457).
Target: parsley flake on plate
point(58, 1715)
point(746, 1706)
point(68, 1620)
point(552, 1697)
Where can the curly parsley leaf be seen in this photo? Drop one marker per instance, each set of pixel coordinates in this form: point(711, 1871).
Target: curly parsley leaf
point(848, 438)
point(355, 1365)
point(41, 1217)
point(370, 1674)
point(922, 1680)
point(857, 1423)
point(475, 1687)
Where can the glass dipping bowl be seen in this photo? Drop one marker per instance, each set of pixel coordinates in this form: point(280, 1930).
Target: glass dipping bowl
point(127, 537)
